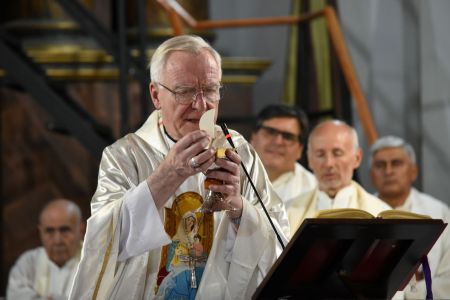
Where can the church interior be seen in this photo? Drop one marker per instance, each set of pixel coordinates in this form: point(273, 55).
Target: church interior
point(74, 77)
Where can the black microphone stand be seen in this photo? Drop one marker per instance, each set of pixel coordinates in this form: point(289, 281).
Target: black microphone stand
point(230, 140)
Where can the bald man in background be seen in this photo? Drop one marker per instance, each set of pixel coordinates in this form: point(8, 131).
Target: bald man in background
point(333, 155)
point(47, 272)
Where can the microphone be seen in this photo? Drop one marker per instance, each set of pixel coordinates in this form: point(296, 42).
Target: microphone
point(230, 141)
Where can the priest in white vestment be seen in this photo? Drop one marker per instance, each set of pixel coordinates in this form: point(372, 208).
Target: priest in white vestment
point(393, 170)
point(278, 138)
point(47, 272)
point(333, 155)
point(147, 237)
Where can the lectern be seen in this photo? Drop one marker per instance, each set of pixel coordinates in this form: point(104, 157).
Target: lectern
point(350, 258)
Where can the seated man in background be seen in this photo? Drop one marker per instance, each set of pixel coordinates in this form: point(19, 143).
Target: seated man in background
point(278, 138)
point(333, 154)
point(47, 272)
point(393, 170)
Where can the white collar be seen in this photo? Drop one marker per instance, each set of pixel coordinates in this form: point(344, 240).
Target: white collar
point(406, 206)
point(341, 200)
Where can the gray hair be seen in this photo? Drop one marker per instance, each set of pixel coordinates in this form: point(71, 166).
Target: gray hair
point(188, 43)
point(391, 141)
point(337, 123)
point(71, 207)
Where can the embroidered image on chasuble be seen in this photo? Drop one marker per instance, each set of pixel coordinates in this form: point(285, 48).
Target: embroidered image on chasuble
point(183, 260)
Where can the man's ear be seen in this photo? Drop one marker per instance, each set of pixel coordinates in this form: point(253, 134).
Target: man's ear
point(154, 95)
point(358, 158)
point(300, 151)
point(414, 172)
point(82, 229)
point(40, 231)
point(252, 137)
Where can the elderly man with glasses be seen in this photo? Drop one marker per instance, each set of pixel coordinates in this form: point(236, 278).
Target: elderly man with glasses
point(278, 138)
point(148, 236)
point(393, 170)
point(47, 272)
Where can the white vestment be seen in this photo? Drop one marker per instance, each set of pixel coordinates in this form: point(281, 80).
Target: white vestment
point(122, 249)
point(291, 185)
point(353, 196)
point(439, 256)
point(35, 276)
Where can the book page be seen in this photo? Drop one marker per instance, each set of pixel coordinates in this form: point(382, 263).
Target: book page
point(344, 213)
point(401, 214)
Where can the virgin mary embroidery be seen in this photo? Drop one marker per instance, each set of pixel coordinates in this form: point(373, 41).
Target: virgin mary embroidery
point(183, 260)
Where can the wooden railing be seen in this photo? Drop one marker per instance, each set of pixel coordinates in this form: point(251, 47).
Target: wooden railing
point(179, 18)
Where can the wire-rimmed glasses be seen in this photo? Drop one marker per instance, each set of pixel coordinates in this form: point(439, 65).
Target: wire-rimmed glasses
point(187, 95)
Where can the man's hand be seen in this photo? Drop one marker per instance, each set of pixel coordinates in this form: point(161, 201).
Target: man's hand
point(229, 173)
point(187, 157)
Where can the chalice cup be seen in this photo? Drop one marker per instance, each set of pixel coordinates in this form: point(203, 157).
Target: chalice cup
point(215, 201)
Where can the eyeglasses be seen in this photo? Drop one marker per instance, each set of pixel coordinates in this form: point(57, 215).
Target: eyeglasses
point(271, 132)
point(187, 95)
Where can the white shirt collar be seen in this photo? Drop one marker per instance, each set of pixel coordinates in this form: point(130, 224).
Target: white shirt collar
point(406, 206)
point(283, 178)
point(341, 200)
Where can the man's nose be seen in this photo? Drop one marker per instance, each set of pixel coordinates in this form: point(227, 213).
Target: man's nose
point(388, 169)
point(328, 160)
point(278, 138)
point(200, 102)
point(57, 236)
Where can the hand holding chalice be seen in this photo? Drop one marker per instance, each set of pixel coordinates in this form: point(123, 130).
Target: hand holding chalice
point(223, 175)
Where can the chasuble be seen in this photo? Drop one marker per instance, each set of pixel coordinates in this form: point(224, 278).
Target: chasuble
point(134, 251)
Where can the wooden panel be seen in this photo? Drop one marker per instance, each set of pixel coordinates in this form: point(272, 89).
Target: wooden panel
point(37, 166)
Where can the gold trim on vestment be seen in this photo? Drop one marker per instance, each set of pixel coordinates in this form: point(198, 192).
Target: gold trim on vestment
point(102, 271)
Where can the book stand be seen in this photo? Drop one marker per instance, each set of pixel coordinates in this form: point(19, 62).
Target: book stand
point(350, 259)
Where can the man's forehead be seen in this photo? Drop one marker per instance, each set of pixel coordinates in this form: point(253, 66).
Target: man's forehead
point(340, 140)
point(391, 153)
point(57, 219)
point(177, 60)
point(283, 123)
point(57, 222)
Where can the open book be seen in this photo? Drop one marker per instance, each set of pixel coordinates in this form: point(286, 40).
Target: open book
point(353, 213)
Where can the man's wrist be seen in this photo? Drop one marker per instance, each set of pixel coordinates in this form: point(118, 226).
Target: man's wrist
point(162, 184)
point(235, 216)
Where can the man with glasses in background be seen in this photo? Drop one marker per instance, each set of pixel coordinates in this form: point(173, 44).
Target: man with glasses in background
point(278, 138)
point(147, 237)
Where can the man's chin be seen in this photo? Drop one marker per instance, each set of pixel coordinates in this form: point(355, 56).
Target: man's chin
point(389, 186)
point(60, 260)
point(189, 127)
point(273, 160)
point(390, 191)
point(330, 185)
point(274, 155)
point(330, 180)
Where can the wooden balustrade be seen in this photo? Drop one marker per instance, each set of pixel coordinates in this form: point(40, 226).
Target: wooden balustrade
point(179, 18)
